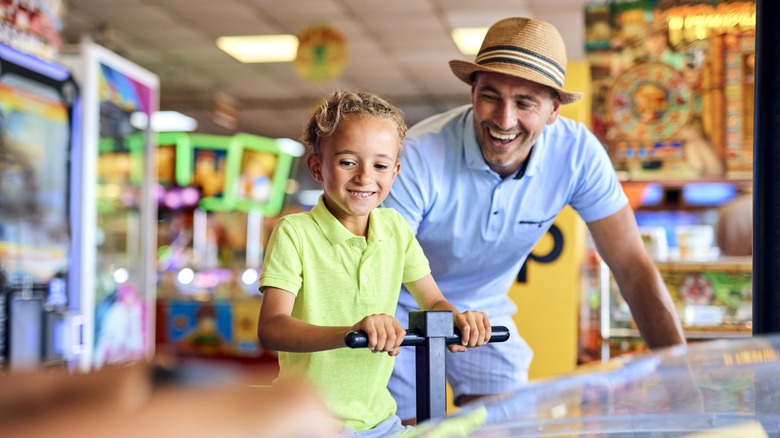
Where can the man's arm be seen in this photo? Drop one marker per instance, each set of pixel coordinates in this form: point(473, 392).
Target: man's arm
point(620, 245)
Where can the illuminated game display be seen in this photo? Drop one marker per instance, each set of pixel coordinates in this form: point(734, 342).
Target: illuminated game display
point(119, 222)
point(673, 85)
point(213, 195)
point(39, 112)
point(243, 172)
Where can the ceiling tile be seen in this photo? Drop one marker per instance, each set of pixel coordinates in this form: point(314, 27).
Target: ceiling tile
point(221, 18)
point(389, 10)
point(305, 11)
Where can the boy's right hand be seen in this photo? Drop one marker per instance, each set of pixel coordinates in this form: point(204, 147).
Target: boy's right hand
point(384, 333)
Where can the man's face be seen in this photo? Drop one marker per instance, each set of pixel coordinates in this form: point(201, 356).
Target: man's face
point(509, 115)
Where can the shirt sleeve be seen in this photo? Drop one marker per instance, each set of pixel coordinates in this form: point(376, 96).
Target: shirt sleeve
point(282, 267)
point(598, 193)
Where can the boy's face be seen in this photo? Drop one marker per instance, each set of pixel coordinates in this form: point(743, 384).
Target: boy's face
point(356, 166)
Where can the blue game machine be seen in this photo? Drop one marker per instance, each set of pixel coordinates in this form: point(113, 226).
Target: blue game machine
point(39, 207)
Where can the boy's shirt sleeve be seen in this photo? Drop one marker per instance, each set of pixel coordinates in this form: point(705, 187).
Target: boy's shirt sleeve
point(282, 267)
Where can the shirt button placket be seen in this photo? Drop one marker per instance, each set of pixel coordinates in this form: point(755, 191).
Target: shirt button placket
point(494, 218)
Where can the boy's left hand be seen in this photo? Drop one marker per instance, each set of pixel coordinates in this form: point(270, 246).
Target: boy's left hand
point(474, 330)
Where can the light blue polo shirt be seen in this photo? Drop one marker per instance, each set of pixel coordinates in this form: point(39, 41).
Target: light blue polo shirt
point(477, 229)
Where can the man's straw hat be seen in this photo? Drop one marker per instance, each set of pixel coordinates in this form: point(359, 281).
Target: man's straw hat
point(524, 48)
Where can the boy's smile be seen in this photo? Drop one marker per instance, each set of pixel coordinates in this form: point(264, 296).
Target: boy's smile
point(356, 165)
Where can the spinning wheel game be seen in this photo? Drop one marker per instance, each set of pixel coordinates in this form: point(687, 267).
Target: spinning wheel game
point(650, 102)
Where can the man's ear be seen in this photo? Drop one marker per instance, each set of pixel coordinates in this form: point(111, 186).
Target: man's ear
point(315, 167)
point(556, 110)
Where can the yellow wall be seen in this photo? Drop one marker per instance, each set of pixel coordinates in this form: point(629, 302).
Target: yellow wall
point(548, 303)
point(578, 79)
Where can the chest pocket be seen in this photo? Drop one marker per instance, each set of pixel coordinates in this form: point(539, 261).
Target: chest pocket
point(528, 231)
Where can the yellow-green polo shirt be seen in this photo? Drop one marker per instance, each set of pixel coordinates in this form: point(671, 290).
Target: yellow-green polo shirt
point(338, 279)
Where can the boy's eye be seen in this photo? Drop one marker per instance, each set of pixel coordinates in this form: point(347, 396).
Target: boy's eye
point(346, 163)
point(381, 166)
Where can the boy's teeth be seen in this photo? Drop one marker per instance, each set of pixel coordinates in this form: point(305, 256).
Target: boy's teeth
point(502, 136)
point(361, 194)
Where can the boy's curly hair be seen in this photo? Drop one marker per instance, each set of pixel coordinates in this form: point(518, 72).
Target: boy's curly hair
point(342, 104)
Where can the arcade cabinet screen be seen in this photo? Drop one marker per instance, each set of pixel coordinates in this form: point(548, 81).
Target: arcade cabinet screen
point(34, 164)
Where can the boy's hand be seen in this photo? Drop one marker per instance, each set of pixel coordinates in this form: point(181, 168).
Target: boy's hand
point(384, 333)
point(474, 330)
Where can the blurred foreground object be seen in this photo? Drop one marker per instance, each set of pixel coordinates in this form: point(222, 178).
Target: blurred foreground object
point(126, 402)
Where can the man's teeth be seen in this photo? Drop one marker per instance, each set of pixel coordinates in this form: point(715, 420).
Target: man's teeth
point(504, 137)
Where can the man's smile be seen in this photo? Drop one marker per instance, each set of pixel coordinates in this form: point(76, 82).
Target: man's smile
point(503, 137)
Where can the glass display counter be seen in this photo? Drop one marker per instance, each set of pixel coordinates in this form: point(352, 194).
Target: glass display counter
point(727, 387)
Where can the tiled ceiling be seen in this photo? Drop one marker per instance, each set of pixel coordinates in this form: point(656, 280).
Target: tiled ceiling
point(397, 48)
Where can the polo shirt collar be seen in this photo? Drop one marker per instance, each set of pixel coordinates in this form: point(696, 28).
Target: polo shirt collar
point(475, 160)
point(335, 231)
point(537, 155)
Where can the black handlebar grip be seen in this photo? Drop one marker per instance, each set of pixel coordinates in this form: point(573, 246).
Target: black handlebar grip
point(358, 339)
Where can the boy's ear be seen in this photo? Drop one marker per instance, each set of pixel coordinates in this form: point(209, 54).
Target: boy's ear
point(315, 167)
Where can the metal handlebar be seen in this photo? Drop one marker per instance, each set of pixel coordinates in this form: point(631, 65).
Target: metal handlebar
point(359, 339)
point(429, 331)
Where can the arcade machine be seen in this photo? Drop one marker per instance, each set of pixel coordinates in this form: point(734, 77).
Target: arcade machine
point(39, 212)
point(118, 224)
point(673, 85)
point(213, 195)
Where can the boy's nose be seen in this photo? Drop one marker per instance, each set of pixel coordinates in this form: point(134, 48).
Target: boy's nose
point(363, 175)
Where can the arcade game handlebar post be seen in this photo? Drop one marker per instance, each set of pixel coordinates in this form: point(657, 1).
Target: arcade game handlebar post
point(429, 332)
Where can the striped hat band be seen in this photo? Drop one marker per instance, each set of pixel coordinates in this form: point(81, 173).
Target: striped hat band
point(522, 57)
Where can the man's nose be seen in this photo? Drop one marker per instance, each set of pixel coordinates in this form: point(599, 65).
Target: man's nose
point(505, 116)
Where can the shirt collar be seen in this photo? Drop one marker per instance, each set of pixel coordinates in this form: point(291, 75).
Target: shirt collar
point(474, 158)
point(521, 171)
point(336, 233)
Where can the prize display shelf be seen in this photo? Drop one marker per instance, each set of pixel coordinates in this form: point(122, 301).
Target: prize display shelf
point(713, 299)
